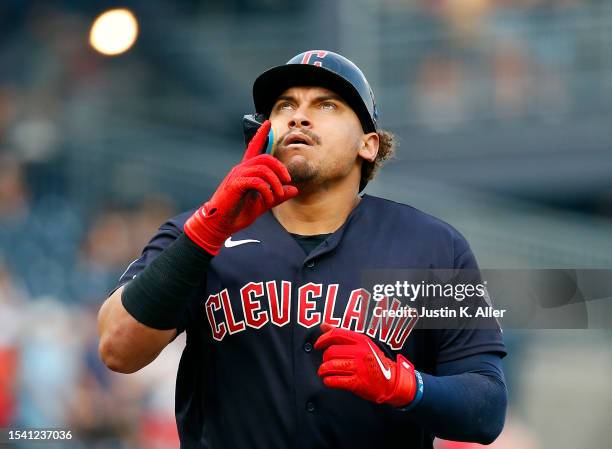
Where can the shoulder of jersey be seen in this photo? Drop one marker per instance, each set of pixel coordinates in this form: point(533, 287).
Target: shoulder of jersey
point(402, 214)
point(407, 215)
point(177, 222)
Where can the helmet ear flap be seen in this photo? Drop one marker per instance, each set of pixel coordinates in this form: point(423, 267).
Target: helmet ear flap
point(250, 125)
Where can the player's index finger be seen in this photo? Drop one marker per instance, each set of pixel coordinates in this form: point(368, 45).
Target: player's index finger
point(334, 338)
point(256, 144)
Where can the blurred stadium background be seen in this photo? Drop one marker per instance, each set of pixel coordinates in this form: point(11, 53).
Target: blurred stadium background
point(504, 113)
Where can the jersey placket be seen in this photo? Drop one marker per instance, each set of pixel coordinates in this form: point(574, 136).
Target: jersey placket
point(315, 271)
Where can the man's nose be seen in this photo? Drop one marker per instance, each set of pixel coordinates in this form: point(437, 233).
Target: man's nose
point(299, 120)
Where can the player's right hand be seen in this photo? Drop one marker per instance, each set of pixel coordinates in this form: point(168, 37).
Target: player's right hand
point(257, 184)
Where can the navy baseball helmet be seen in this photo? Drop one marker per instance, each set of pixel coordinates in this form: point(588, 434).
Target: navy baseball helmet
point(324, 69)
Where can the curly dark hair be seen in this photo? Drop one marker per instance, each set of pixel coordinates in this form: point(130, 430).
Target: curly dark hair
point(386, 151)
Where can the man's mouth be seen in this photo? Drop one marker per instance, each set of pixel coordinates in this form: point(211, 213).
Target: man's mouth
point(297, 139)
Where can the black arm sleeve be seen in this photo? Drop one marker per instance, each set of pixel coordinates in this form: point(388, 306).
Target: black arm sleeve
point(465, 401)
point(158, 296)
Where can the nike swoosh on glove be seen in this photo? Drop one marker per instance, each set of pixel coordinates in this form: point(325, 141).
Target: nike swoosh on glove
point(353, 362)
point(259, 183)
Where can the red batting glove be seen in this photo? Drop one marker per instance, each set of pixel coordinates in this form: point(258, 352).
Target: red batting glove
point(353, 362)
point(252, 187)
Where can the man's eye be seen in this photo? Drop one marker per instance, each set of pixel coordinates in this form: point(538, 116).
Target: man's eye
point(328, 106)
point(284, 106)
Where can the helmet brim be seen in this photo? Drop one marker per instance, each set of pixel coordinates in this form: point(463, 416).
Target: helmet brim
point(273, 82)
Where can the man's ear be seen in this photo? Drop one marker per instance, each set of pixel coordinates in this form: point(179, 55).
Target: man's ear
point(369, 146)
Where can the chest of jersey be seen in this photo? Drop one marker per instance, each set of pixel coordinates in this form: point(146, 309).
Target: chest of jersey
point(267, 282)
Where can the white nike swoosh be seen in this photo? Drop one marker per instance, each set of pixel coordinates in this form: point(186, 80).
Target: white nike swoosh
point(386, 371)
point(229, 243)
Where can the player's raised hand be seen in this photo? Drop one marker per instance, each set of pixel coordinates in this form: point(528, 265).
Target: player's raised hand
point(257, 184)
point(353, 362)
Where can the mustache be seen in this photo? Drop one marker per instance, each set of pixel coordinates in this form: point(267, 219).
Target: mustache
point(316, 139)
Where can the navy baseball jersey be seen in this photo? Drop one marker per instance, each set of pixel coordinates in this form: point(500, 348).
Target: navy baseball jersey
point(248, 374)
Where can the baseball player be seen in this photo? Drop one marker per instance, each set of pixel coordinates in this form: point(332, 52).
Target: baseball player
point(265, 278)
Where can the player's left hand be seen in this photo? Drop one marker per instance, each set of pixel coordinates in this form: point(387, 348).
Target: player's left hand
point(353, 362)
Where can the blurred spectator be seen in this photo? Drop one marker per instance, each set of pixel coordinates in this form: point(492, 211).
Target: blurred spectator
point(49, 367)
point(105, 407)
point(157, 427)
point(37, 237)
point(555, 56)
point(12, 304)
point(153, 211)
point(464, 18)
point(105, 250)
point(441, 93)
point(511, 80)
point(14, 195)
point(107, 244)
point(115, 239)
point(8, 108)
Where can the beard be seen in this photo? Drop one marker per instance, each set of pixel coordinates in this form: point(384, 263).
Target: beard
point(309, 174)
point(301, 171)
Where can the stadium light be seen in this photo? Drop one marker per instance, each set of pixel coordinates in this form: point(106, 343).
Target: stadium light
point(114, 32)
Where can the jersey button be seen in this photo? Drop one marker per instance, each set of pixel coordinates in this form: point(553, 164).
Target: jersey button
point(310, 264)
point(307, 347)
point(310, 406)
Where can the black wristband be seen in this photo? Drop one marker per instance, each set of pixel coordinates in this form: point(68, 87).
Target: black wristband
point(159, 294)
